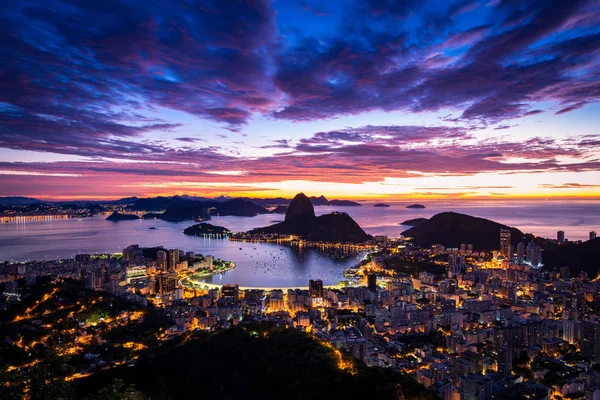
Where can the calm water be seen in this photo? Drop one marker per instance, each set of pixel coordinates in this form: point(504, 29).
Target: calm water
point(271, 265)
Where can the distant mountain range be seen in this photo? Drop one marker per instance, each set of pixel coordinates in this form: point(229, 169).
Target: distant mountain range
point(19, 201)
point(162, 202)
point(300, 220)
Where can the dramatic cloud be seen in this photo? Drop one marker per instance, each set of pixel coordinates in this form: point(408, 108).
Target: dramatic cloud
point(166, 94)
point(569, 186)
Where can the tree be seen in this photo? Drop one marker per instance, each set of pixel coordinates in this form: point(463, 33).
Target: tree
point(43, 385)
point(116, 390)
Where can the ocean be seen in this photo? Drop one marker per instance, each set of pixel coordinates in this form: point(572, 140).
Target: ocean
point(268, 265)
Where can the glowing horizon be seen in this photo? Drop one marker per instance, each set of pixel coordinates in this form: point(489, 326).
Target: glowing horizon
point(353, 99)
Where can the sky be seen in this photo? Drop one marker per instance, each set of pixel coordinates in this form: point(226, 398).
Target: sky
point(366, 99)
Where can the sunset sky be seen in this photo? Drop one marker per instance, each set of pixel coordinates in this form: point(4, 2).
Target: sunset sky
point(368, 99)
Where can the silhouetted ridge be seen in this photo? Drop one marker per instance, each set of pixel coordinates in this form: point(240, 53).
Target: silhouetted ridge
point(453, 229)
point(414, 221)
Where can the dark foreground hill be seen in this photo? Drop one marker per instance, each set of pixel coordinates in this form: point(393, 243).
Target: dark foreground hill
point(300, 220)
point(258, 363)
point(452, 229)
point(577, 256)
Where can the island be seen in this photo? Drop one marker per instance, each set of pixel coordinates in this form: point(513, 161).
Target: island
point(381, 205)
point(416, 206)
point(205, 229)
point(301, 221)
point(117, 216)
point(414, 221)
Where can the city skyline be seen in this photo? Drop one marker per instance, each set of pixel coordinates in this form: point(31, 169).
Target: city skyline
point(376, 99)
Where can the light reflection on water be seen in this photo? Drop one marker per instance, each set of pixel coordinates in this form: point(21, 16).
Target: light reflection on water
point(262, 264)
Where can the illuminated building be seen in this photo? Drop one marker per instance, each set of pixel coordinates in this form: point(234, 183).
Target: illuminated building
point(161, 261)
point(505, 243)
point(571, 331)
point(505, 361)
point(520, 252)
point(173, 259)
point(590, 340)
point(592, 235)
point(166, 283)
point(475, 358)
point(315, 286)
point(134, 273)
point(231, 291)
point(477, 387)
point(132, 253)
point(533, 254)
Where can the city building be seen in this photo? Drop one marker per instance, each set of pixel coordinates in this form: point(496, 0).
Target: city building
point(520, 252)
point(173, 259)
point(230, 290)
point(505, 361)
point(372, 282)
point(315, 287)
point(161, 261)
point(560, 236)
point(505, 243)
point(590, 340)
point(477, 387)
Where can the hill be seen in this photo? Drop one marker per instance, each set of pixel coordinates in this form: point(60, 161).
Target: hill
point(414, 221)
point(577, 256)
point(452, 229)
point(381, 205)
point(416, 206)
point(18, 201)
point(300, 220)
point(236, 207)
point(256, 362)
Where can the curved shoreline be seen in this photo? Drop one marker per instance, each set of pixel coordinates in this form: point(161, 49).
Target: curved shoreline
point(205, 274)
point(204, 285)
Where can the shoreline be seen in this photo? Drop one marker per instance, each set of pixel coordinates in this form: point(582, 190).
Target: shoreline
point(203, 275)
